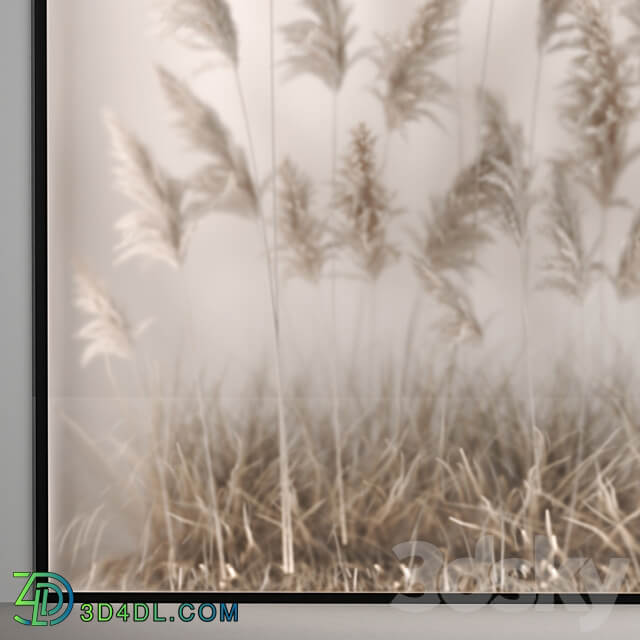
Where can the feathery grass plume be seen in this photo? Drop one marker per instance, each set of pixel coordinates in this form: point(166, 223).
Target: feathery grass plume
point(204, 24)
point(627, 280)
point(568, 269)
point(474, 187)
point(506, 182)
point(319, 45)
point(450, 244)
point(411, 87)
point(365, 205)
point(448, 247)
point(160, 226)
point(303, 234)
point(459, 324)
point(550, 25)
point(599, 107)
point(549, 20)
point(107, 332)
point(226, 184)
point(451, 237)
point(504, 173)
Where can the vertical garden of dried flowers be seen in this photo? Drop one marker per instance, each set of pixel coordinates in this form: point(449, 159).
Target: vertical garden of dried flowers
point(433, 445)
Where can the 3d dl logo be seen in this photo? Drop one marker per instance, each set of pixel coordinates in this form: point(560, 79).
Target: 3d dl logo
point(42, 584)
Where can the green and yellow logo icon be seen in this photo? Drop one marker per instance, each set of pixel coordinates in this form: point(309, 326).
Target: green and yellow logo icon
point(45, 610)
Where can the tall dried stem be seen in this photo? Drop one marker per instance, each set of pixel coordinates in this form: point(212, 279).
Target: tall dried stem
point(335, 414)
point(526, 332)
point(482, 94)
point(161, 225)
point(108, 334)
point(568, 268)
point(459, 97)
point(582, 419)
point(448, 388)
point(486, 50)
point(206, 442)
point(533, 128)
point(288, 562)
point(507, 181)
point(320, 47)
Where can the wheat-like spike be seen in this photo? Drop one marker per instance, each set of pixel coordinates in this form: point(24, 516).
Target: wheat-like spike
point(303, 234)
point(158, 228)
point(107, 332)
point(551, 12)
point(504, 174)
point(204, 24)
point(365, 204)
point(568, 269)
point(319, 45)
point(410, 86)
point(598, 109)
point(628, 277)
point(226, 183)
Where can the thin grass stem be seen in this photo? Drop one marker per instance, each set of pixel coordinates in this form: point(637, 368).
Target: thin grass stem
point(482, 105)
point(459, 100)
point(603, 238)
point(448, 388)
point(335, 408)
point(526, 329)
point(212, 485)
point(533, 130)
point(373, 333)
point(582, 417)
point(285, 488)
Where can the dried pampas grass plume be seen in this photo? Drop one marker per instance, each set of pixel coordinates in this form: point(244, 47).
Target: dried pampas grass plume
point(551, 13)
point(159, 227)
point(599, 108)
point(365, 205)
point(459, 325)
point(107, 332)
point(447, 247)
point(319, 44)
point(410, 85)
point(226, 183)
point(451, 236)
point(627, 280)
point(503, 172)
point(204, 25)
point(303, 235)
point(568, 269)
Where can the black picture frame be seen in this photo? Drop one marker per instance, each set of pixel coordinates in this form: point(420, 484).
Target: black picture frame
point(40, 295)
